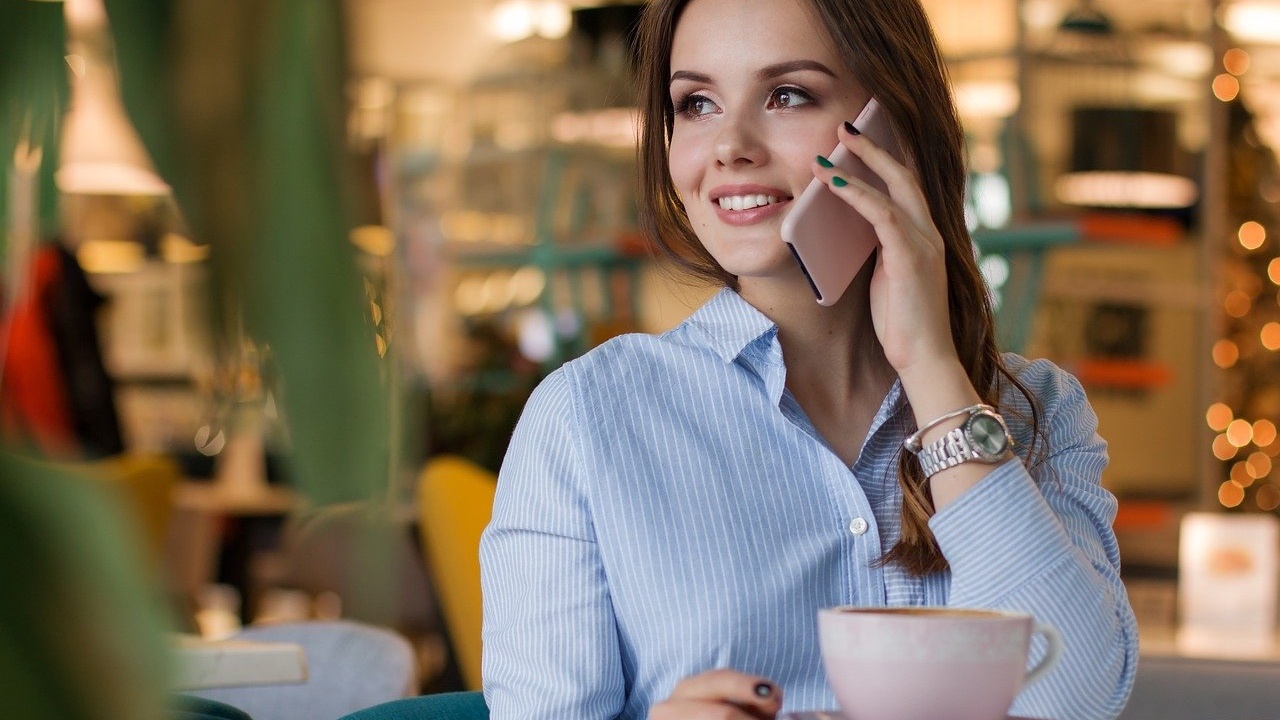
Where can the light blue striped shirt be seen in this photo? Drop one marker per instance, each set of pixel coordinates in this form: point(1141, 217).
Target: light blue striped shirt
point(666, 508)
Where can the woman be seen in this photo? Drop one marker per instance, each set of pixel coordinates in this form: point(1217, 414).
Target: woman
point(674, 510)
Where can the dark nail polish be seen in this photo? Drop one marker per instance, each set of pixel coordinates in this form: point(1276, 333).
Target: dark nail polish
point(825, 162)
point(848, 126)
point(839, 181)
point(764, 690)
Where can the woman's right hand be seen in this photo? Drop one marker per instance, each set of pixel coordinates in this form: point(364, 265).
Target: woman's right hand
point(720, 695)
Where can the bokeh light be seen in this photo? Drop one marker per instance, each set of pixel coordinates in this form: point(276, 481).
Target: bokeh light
point(1226, 87)
point(1237, 304)
point(1236, 61)
point(1270, 336)
point(1241, 474)
point(1219, 416)
point(1259, 464)
point(1230, 494)
point(1225, 354)
point(1264, 433)
point(1252, 235)
point(1223, 449)
point(1267, 497)
point(1240, 433)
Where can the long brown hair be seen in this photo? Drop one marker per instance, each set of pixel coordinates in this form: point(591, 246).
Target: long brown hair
point(890, 48)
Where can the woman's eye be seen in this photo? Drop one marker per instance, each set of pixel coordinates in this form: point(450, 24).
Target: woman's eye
point(695, 106)
point(789, 97)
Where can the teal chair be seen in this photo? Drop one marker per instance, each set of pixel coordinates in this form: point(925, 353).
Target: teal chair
point(190, 707)
point(444, 706)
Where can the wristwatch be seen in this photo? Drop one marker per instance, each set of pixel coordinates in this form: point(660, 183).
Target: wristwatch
point(982, 438)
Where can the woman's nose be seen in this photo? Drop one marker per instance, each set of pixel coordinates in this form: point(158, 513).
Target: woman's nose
point(738, 143)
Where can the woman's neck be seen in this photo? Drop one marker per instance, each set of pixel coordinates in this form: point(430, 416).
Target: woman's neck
point(836, 344)
point(836, 368)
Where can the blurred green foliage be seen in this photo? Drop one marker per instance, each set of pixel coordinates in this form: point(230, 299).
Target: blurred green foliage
point(241, 103)
point(80, 634)
point(255, 148)
point(33, 94)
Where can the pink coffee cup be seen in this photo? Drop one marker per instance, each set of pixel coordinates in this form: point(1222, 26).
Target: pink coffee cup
point(925, 663)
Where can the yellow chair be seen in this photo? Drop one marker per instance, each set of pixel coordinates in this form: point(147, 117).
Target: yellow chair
point(145, 484)
point(455, 499)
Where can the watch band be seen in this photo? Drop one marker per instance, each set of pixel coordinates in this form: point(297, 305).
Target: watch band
point(947, 452)
point(959, 446)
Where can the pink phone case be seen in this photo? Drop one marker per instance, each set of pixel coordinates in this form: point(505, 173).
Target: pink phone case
point(829, 239)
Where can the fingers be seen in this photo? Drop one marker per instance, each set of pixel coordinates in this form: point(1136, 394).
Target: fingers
point(872, 204)
point(901, 181)
point(721, 694)
point(896, 229)
point(902, 215)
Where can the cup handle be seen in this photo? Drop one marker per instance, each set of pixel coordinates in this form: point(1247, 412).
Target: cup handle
point(1051, 655)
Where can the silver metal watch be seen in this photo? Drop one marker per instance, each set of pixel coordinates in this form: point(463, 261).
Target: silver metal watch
point(983, 437)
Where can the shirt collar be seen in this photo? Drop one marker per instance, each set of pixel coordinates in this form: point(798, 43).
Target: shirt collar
point(731, 325)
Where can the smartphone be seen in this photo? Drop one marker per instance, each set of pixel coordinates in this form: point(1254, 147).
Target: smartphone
point(828, 238)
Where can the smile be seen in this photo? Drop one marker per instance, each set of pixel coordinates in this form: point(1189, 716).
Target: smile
point(746, 202)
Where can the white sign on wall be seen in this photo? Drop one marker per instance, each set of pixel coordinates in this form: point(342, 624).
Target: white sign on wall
point(1228, 575)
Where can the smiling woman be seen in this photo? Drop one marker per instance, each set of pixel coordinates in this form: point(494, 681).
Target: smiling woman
point(686, 503)
point(747, 122)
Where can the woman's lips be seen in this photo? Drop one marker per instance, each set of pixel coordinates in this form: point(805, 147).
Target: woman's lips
point(748, 204)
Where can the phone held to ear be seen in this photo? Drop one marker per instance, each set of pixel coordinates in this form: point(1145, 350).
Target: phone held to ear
point(828, 238)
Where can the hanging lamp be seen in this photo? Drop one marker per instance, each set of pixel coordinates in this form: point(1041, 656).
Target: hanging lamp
point(1086, 34)
point(102, 153)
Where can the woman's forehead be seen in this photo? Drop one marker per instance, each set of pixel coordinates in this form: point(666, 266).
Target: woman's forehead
point(749, 32)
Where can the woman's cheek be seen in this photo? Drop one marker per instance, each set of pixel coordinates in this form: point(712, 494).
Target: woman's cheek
point(683, 167)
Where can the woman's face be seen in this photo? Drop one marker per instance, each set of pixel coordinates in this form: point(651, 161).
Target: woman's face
point(758, 92)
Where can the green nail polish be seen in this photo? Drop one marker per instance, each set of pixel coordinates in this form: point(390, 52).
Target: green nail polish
point(839, 181)
point(825, 162)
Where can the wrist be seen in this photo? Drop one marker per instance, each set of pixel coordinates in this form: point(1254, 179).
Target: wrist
point(937, 387)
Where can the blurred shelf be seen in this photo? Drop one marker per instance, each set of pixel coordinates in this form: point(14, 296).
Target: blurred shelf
point(1030, 236)
point(543, 255)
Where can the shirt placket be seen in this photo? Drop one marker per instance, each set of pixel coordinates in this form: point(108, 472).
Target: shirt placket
point(852, 514)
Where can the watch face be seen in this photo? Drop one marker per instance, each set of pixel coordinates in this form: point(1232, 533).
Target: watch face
point(987, 435)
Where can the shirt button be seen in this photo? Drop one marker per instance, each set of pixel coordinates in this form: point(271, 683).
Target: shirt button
point(858, 526)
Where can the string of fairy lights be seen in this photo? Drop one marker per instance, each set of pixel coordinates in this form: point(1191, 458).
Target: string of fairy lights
point(1248, 353)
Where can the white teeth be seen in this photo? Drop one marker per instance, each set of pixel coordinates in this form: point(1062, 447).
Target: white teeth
point(746, 202)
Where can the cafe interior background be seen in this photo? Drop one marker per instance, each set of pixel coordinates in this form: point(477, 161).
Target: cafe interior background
point(315, 248)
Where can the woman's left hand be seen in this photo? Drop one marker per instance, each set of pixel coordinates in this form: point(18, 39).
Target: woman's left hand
point(909, 283)
point(909, 302)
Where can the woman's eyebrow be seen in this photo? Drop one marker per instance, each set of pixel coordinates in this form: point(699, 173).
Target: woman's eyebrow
point(690, 76)
point(765, 73)
point(783, 68)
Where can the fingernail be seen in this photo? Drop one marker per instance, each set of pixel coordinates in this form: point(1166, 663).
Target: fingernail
point(839, 181)
point(764, 690)
point(848, 126)
point(825, 162)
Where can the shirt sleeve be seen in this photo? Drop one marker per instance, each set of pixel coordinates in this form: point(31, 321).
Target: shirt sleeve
point(551, 645)
point(1041, 542)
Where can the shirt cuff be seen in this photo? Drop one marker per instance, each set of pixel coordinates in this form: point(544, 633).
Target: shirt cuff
point(998, 536)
